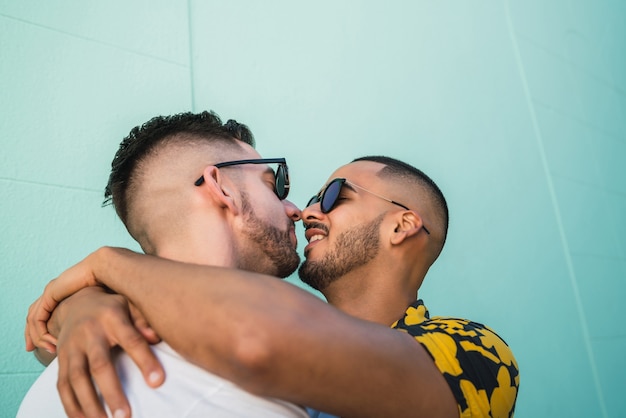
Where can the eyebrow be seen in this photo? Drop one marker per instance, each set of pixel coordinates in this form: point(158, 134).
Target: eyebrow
point(267, 173)
point(269, 170)
point(349, 186)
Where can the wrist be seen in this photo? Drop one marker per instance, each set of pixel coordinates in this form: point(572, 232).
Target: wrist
point(100, 265)
point(108, 267)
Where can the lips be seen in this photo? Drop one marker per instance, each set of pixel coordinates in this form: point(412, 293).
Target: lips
point(315, 233)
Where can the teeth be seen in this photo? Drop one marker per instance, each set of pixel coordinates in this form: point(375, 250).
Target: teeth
point(316, 238)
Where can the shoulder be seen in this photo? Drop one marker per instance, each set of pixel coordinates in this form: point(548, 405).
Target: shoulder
point(454, 333)
point(42, 399)
point(477, 363)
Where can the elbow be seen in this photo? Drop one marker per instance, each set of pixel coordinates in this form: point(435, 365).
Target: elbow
point(256, 354)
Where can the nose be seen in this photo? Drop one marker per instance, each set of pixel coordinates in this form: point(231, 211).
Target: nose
point(292, 210)
point(313, 211)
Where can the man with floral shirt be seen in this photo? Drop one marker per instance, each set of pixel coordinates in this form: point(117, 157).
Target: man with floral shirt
point(372, 351)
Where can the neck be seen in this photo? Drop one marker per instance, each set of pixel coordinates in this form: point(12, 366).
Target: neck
point(214, 249)
point(209, 255)
point(378, 295)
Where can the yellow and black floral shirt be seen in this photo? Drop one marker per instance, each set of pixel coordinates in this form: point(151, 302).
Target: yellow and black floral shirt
point(477, 364)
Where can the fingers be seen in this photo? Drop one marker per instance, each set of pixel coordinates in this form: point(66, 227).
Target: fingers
point(30, 345)
point(134, 340)
point(36, 331)
point(138, 349)
point(121, 332)
point(148, 333)
point(86, 363)
point(97, 321)
point(70, 281)
point(142, 325)
point(73, 372)
point(105, 376)
point(78, 393)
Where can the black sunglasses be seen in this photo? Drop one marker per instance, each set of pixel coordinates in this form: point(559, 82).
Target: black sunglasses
point(281, 176)
point(329, 196)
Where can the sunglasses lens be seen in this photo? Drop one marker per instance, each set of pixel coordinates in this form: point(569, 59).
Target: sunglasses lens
point(330, 195)
point(282, 182)
point(313, 201)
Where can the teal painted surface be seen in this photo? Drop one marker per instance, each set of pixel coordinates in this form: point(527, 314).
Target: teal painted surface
point(516, 108)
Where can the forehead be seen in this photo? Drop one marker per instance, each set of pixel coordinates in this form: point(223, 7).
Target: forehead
point(359, 172)
point(246, 152)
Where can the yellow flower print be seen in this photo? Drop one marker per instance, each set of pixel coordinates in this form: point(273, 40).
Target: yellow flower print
point(477, 402)
point(415, 316)
point(490, 339)
point(470, 346)
point(503, 397)
point(455, 326)
point(443, 348)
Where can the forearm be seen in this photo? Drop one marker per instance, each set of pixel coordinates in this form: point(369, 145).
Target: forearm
point(277, 340)
point(211, 315)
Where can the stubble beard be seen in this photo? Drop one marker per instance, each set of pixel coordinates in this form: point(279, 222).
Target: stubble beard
point(354, 248)
point(275, 245)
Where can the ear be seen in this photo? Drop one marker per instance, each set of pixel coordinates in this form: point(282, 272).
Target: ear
point(408, 224)
point(219, 189)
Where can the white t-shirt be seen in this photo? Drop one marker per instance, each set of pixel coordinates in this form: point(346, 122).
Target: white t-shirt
point(188, 391)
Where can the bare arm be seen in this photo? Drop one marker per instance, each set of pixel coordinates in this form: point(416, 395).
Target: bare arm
point(270, 337)
point(87, 325)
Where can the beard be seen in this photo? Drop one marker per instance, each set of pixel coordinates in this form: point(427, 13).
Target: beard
point(277, 251)
point(355, 247)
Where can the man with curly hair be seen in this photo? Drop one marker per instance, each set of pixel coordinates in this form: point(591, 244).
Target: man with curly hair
point(187, 188)
point(373, 232)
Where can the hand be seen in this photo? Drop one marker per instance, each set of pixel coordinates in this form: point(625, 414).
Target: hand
point(70, 281)
point(141, 324)
point(96, 322)
point(84, 341)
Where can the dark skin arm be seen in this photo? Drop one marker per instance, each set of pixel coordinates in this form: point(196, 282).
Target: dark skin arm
point(268, 336)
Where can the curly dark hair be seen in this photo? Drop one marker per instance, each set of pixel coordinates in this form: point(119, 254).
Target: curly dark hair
point(143, 139)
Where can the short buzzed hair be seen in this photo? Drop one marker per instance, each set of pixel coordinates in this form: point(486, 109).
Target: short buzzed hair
point(144, 139)
point(400, 169)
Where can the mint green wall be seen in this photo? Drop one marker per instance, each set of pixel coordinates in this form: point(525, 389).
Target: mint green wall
point(516, 108)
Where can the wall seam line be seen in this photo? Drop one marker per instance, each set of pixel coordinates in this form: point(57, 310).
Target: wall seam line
point(95, 41)
point(191, 62)
point(557, 213)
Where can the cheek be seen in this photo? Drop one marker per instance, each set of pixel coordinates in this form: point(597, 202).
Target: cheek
point(345, 220)
point(265, 201)
point(273, 211)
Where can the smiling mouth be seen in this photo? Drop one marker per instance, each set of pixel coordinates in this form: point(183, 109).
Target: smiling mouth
point(316, 238)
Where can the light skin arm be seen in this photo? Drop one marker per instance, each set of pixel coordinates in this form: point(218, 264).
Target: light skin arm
point(87, 325)
point(268, 336)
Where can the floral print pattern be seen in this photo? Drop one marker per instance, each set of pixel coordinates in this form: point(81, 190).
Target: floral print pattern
point(477, 364)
